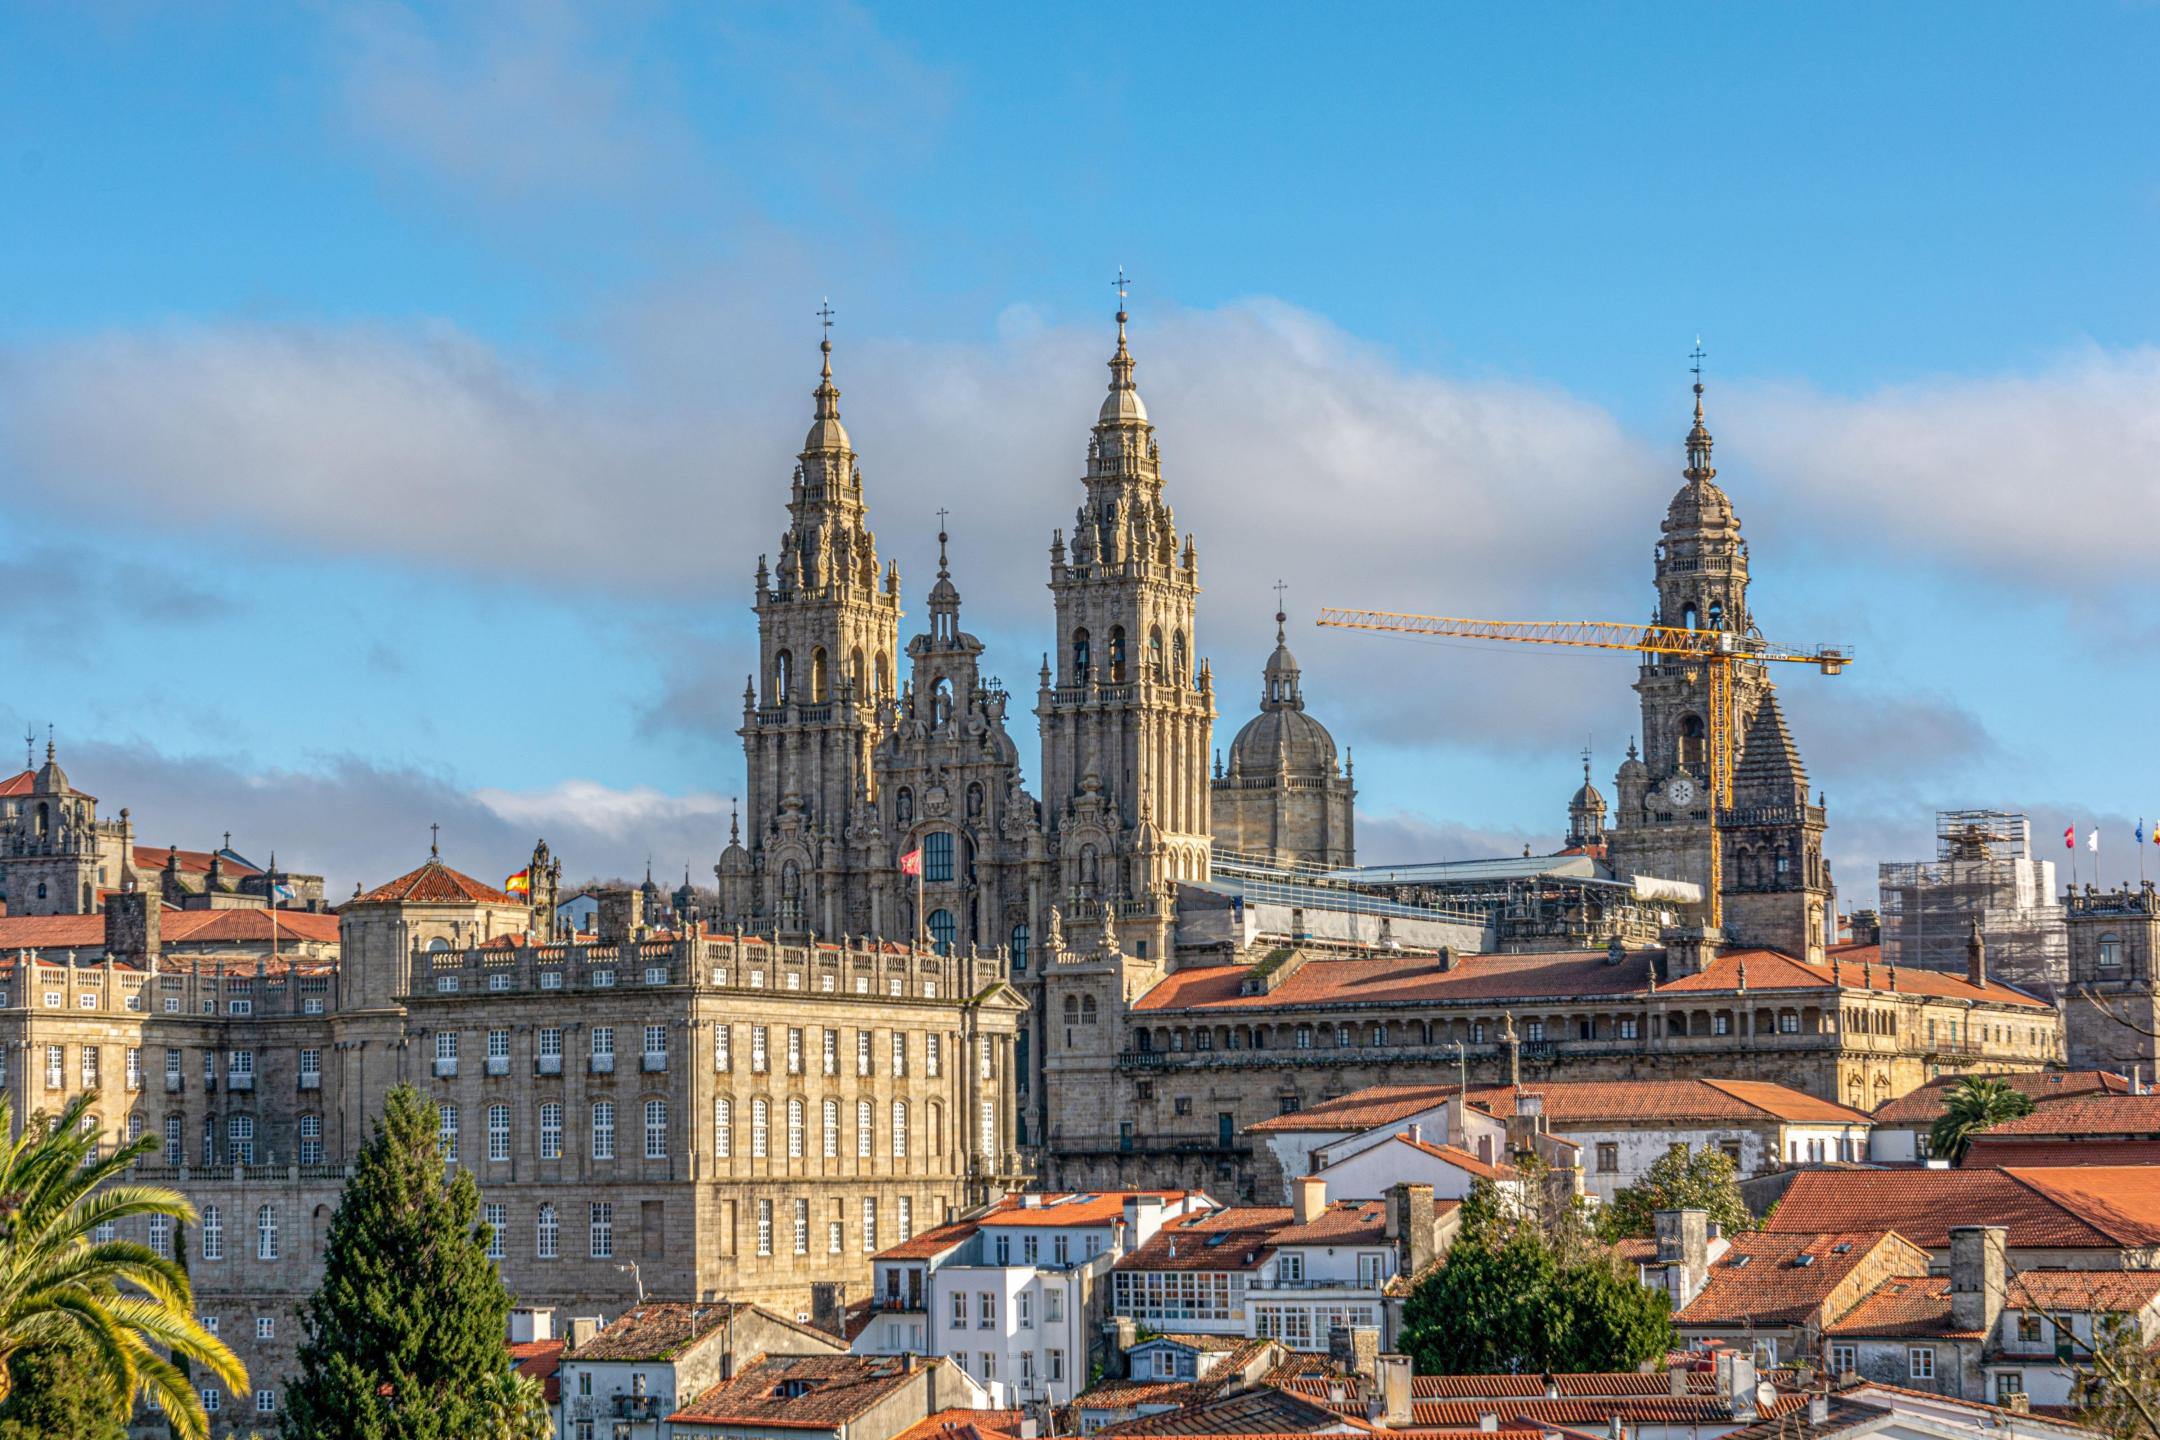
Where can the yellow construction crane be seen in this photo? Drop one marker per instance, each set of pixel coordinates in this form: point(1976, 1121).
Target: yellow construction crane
point(1717, 650)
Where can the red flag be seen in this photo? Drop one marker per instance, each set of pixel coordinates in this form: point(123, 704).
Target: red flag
point(2070, 838)
point(911, 863)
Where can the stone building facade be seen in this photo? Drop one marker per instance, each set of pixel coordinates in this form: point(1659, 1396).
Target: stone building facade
point(1283, 799)
point(1157, 1077)
point(2111, 1008)
point(706, 1116)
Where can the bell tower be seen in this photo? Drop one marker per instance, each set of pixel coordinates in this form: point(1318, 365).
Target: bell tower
point(1126, 706)
point(828, 638)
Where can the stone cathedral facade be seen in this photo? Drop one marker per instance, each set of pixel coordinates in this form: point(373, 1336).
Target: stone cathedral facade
point(861, 750)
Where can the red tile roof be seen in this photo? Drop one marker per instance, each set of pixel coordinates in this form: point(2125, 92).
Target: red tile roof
point(1402, 979)
point(965, 1425)
point(1767, 1278)
point(1074, 1208)
point(1987, 1151)
point(1131, 1394)
point(802, 1392)
point(2136, 1116)
point(656, 1331)
point(1582, 1385)
point(21, 784)
point(436, 884)
point(1578, 1102)
point(1460, 1158)
point(1264, 1411)
point(2076, 1207)
point(1904, 1305)
point(1925, 1105)
point(244, 925)
point(1343, 1222)
point(927, 1244)
point(1247, 1231)
point(2117, 1291)
point(542, 1360)
point(1858, 967)
point(192, 862)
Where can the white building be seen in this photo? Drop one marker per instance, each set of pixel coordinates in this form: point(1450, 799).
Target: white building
point(621, 1381)
point(1014, 1296)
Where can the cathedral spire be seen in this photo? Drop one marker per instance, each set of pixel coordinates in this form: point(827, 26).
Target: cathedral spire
point(1122, 405)
point(1699, 468)
point(826, 431)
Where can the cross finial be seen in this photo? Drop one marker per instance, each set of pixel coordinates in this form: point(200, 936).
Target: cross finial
point(1123, 284)
point(825, 312)
point(1697, 355)
point(434, 844)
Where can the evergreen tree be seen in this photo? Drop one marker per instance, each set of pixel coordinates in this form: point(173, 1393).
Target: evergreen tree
point(55, 1395)
point(406, 1339)
point(1682, 1178)
point(1526, 1289)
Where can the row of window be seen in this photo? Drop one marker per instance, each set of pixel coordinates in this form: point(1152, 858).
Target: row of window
point(239, 1139)
point(548, 1045)
point(984, 1367)
point(986, 1308)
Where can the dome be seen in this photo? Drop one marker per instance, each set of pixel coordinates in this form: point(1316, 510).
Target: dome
point(1302, 742)
point(1700, 505)
point(1587, 798)
point(51, 779)
point(1122, 406)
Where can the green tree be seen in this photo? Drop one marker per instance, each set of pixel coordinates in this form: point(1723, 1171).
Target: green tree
point(406, 1338)
point(1683, 1178)
point(54, 1394)
point(1526, 1289)
point(127, 1307)
point(1970, 1106)
point(516, 1409)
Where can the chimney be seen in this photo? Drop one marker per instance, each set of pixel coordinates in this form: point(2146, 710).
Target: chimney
point(582, 1329)
point(532, 1322)
point(828, 1306)
point(1144, 1215)
point(1976, 955)
point(1365, 1353)
point(1676, 1380)
point(1736, 1385)
point(1395, 1391)
point(1613, 1426)
point(1448, 959)
point(1979, 1266)
point(1683, 1242)
point(1308, 1198)
point(131, 926)
point(1410, 1215)
point(1417, 1133)
point(1818, 1410)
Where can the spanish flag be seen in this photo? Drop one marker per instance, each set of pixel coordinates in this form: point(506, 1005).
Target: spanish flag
point(520, 883)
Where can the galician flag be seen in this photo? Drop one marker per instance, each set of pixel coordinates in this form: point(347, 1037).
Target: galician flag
point(911, 863)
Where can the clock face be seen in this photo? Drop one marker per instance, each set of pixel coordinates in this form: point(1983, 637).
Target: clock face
point(1681, 791)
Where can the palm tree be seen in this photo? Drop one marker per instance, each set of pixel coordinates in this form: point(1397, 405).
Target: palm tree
point(121, 1302)
point(1970, 1106)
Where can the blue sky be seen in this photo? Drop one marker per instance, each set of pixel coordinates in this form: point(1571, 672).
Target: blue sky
point(394, 402)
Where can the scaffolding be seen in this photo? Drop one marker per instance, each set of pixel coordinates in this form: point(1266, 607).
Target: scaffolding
point(1984, 869)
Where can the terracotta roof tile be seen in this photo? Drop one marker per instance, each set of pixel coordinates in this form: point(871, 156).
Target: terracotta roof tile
point(436, 884)
point(1265, 1411)
point(1246, 1232)
point(1075, 1208)
point(2136, 1116)
point(1365, 1109)
point(192, 862)
point(1586, 1385)
point(1768, 1278)
point(1343, 1222)
point(2076, 1207)
point(965, 1425)
point(1857, 968)
point(1988, 1151)
point(927, 1244)
point(1925, 1105)
point(1460, 1158)
point(1575, 1102)
point(21, 784)
point(542, 1360)
point(656, 1331)
point(1130, 1394)
point(243, 925)
point(807, 1392)
point(1904, 1305)
point(1402, 979)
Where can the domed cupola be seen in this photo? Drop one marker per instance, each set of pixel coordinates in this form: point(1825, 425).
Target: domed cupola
point(1282, 736)
point(1586, 813)
point(1284, 796)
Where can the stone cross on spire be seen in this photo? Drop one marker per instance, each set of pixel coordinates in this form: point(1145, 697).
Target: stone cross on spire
point(1698, 440)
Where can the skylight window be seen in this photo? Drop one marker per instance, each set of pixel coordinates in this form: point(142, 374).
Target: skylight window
point(1801, 1262)
point(1740, 1260)
point(1843, 1247)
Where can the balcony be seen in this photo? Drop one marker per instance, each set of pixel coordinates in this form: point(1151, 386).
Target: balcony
point(236, 1081)
point(134, 1082)
point(311, 1079)
point(655, 1061)
point(498, 1064)
point(602, 1065)
point(174, 1084)
point(547, 1065)
point(638, 1407)
point(444, 1069)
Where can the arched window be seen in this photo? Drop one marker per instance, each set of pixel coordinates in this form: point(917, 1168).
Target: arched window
point(603, 1130)
point(760, 1118)
point(547, 1233)
point(213, 1233)
point(266, 1233)
point(865, 1130)
point(723, 1128)
point(656, 1129)
point(1080, 662)
point(938, 856)
point(904, 806)
point(884, 675)
point(937, 1125)
point(943, 929)
point(794, 1129)
point(899, 1129)
point(1072, 1009)
point(856, 677)
point(1087, 1009)
point(1155, 656)
point(1717, 614)
point(1117, 654)
point(44, 824)
point(1177, 656)
point(41, 890)
point(783, 678)
point(1691, 740)
point(832, 1129)
point(820, 677)
point(1019, 946)
point(1687, 616)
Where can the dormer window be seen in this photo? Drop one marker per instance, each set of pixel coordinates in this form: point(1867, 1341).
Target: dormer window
point(791, 1389)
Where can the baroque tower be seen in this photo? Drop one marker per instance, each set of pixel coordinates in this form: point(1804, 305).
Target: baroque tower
point(1128, 707)
point(1284, 798)
point(828, 634)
